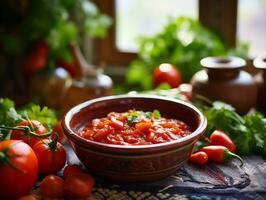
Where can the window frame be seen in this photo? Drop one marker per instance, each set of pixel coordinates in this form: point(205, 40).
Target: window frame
point(218, 15)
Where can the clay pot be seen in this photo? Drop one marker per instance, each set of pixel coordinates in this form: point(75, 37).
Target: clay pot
point(133, 163)
point(260, 79)
point(224, 79)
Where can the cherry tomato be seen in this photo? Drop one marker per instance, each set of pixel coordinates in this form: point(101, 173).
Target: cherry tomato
point(51, 156)
point(36, 127)
point(78, 185)
point(52, 187)
point(200, 158)
point(219, 137)
point(71, 169)
point(36, 59)
point(27, 197)
point(167, 73)
point(18, 169)
point(59, 130)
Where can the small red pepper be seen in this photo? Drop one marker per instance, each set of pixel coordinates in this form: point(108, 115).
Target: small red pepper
point(219, 154)
point(218, 137)
point(200, 158)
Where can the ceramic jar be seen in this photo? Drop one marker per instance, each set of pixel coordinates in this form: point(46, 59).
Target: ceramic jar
point(260, 79)
point(224, 79)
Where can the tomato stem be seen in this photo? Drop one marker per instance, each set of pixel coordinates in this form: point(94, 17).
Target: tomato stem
point(52, 145)
point(228, 154)
point(26, 130)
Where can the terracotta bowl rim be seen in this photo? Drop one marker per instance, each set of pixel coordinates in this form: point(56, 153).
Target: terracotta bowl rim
point(74, 137)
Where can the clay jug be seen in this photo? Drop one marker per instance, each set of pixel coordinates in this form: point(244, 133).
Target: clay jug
point(224, 79)
point(260, 79)
point(89, 82)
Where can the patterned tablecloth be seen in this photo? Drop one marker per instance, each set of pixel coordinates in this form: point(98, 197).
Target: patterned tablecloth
point(228, 181)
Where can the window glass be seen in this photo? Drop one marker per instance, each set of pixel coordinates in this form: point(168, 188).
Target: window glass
point(252, 25)
point(144, 18)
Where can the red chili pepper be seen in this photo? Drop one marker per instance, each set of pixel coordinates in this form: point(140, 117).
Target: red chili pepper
point(218, 137)
point(200, 158)
point(219, 154)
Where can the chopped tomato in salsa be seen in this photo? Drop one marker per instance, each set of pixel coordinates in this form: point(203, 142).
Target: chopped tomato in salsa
point(135, 128)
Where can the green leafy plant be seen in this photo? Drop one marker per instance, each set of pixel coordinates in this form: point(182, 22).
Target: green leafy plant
point(10, 116)
point(183, 42)
point(57, 22)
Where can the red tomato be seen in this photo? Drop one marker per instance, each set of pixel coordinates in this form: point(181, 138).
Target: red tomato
point(200, 158)
point(59, 130)
point(71, 169)
point(27, 197)
point(167, 73)
point(51, 157)
point(36, 127)
point(18, 177)
point(78, 185)
point(36, 59)
point(52, 187)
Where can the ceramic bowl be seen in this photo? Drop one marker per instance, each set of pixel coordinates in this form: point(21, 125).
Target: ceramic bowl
point(133, 163)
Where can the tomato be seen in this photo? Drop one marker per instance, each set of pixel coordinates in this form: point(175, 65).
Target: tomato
point(36, 59)
point(167, 73)
point(52, 187)
point(18, 169)
point(78, 185)
point(27, 197)
point(218, 137)
point(35, 126)
point(51, 156)
point(59, 130)
point(71, 169)
point(200, 158)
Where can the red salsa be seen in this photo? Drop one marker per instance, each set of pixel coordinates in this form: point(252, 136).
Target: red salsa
point(134, 127)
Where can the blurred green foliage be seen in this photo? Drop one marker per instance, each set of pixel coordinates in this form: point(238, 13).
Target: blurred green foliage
point(58, 22)
point(183, 42)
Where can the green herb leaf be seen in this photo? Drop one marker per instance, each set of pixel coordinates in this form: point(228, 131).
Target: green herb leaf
point(147, 114)
point(44, 115)
point(156, 114)
point(133, 117)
